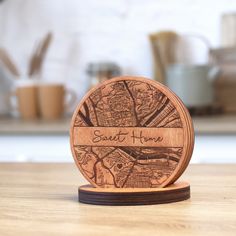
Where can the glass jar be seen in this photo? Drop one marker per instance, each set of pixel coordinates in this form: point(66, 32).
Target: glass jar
point(98, 72)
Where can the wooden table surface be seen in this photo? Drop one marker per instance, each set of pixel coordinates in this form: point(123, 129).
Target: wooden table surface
point(41, 199)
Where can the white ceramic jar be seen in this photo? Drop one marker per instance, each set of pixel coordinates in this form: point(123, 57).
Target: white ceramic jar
point(193, 83)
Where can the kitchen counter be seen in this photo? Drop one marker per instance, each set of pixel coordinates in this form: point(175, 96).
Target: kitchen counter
point(214, 140)
point(41, 127)
point(223, 124)
point(41, 199)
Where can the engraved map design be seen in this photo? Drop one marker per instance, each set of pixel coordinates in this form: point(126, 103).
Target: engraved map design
point(127, 103)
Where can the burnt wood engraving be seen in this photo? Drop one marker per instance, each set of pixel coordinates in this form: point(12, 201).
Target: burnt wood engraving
point(129, 108)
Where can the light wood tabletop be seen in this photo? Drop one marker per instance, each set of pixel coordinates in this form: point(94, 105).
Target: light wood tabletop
point(41, 199)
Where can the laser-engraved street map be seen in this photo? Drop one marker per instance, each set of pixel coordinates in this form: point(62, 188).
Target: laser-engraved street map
point(127, 134)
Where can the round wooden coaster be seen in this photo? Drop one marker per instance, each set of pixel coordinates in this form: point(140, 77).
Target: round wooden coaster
point(131, 132)
point(134, 196)
point(191, 140)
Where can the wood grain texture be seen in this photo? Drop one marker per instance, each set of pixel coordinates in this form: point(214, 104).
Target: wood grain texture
point(176, 192)
point(131, 132)
point(41, 199)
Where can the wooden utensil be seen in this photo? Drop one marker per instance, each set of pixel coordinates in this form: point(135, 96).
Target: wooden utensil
point(38, 56)
point(163, 51)
point(8, 62)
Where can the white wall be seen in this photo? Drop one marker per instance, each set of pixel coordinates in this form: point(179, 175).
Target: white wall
point(92, 30)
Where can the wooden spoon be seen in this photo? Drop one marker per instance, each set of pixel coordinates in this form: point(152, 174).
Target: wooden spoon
point(163, 50)
point(8, 62)
point(38, 56)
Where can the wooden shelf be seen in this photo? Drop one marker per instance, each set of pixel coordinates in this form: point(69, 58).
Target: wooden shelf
point(222, 124)
point(11, 126)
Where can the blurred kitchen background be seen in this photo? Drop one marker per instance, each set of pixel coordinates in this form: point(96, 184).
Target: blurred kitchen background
point(53, 51)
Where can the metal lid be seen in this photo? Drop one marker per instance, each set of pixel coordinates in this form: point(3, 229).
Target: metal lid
point(103, 67)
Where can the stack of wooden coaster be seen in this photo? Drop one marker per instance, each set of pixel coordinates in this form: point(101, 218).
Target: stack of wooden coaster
point(132, 138)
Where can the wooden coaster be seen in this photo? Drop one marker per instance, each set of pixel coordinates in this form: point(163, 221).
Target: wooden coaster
point(131, 132)
point(134, 196)
point(191, 137)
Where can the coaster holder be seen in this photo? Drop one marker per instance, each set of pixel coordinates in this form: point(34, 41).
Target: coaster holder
point(179, 191)
point(98, 127)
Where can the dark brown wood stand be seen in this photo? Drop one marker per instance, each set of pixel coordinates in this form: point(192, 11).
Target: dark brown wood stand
point(132, 138)
point(176, 192)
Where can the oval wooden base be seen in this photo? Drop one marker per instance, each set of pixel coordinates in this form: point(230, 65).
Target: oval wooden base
point(134, 196)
